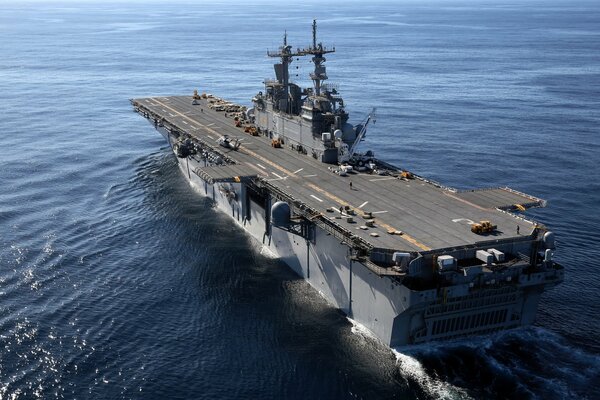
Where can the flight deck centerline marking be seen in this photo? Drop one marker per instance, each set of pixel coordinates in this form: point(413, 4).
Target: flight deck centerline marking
point(316, 198)
point(379, 212)
point(277, 175)
point(363, 204)
point(310, 176)
point(261, 166)
point(295, 172)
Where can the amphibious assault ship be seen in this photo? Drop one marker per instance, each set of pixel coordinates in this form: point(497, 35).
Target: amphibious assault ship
point(407, 257)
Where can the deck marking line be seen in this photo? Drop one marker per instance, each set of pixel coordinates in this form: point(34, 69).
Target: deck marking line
point(465, 201)
point(382, 179)
point(277, 175)
point(363, 204)
point(316, 198)
point(310, 176)
point(260, 172)
point(405, 236)
point(315, 187)
point(467, 220)
point(295, 172)
point(379, 212)
point(265, 160)
point(261, 166)
point(327, 194)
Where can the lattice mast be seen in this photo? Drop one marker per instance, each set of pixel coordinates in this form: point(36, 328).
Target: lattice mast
point(317, 50)
point(282, 72)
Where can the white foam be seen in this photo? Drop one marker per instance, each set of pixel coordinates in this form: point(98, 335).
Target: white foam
point(413, 370)
point(264, 251)
point(361, 330)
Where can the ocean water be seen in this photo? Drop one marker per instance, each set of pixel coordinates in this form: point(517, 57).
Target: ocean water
point(117, 281)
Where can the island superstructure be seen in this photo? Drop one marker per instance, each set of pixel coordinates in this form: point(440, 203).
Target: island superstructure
point(407, 257)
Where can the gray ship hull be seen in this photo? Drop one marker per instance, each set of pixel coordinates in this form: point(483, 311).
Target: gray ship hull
point(394, 313)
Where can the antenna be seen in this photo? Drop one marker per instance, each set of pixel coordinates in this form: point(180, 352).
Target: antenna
point(282, 70)
point(317, 52)
point(314, 33)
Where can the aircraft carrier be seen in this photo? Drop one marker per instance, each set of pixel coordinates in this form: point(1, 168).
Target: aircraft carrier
point(407, 257)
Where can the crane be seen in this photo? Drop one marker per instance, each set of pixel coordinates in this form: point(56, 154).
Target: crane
point(347, 154)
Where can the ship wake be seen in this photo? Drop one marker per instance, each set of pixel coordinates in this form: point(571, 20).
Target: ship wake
point(530, 363)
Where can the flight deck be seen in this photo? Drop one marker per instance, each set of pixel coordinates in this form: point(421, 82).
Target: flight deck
point(409, 214)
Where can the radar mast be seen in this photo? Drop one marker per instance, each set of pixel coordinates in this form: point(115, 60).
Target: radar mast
point(317, 50)
point(282, 70)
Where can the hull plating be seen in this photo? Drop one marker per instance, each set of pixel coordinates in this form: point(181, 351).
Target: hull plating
point(393, 312)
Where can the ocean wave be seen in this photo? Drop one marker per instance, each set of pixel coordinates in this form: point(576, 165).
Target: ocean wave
point(523, 363)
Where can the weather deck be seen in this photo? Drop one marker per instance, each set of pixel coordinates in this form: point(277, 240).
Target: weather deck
point(428, 215)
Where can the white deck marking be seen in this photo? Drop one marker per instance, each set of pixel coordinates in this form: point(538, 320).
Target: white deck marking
point(164, 110)
point(310, 176)
point(468, 221)
point(382, 179)
point(211, 124)
point(363, 204)
point(295, 172)
point(261, 166)
point(379, 212)
point(277, 175)
point(210, 136)
point(184, 122)
point(316, 198)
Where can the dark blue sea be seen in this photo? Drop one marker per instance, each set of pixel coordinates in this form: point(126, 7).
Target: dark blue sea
point(117, 281)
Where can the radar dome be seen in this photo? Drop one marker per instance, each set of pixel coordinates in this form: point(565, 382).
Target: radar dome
point(549, 240)
point(280, 214)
